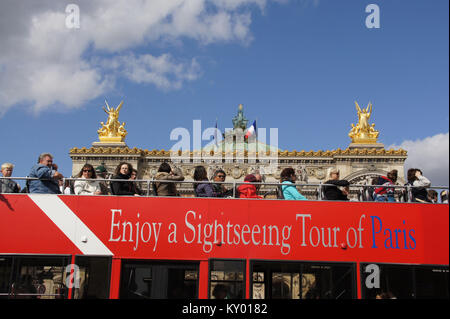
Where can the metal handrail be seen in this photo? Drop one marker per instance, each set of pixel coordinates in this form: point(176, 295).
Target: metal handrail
point(235, 184)
point(214, 182)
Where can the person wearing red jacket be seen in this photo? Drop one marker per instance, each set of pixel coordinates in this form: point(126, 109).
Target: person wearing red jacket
point(384, 193)
point(248, 190)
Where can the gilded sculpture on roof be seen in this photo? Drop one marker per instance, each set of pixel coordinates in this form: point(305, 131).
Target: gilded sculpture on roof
point(112, 131)
point(363, 132)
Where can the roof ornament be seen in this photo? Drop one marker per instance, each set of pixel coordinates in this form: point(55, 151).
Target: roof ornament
point(112, 131)
point(239, 121)
point(363, 133)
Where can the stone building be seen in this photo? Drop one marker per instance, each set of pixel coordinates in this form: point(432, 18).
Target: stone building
point(362, 160)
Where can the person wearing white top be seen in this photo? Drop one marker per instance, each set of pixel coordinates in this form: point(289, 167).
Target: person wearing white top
point(89, 186)
point(420, 183)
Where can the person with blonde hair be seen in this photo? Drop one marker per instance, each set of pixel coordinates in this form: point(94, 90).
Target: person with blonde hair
point(331, 191)
point(444, 197)
point(8, 185)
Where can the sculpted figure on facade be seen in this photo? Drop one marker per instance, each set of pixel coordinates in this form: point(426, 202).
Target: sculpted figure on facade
point(113, 130)
point(302, 174)
point(363, 132)
point(239, 121)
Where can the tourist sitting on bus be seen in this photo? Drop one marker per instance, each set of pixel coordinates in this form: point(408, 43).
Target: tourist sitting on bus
point(248, 190)
point(385, 295)
point(332, 192)
point(202, 189)
point(383, 193)
point(133, 177)
point(125, 187)
point(419, 183)
point(444, 197)
point(288, 188)
point(8, 185)
point(102, 173)
point(65, 187)
point(369, 191)
point(47, 176)
point(89, 185)
point(165, 172)
point(220, 291)
point(433, 196)
point(219, 177)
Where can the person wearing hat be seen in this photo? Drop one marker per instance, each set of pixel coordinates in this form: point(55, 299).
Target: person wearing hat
point(101, 174)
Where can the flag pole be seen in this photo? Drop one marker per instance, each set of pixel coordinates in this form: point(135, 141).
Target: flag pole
point(215, 133)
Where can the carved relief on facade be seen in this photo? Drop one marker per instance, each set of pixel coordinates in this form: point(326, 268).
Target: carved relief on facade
point(319, 173)
point(236, 172)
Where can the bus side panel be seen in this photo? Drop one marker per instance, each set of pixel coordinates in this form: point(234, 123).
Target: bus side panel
point(26, 229)
point(435, 224)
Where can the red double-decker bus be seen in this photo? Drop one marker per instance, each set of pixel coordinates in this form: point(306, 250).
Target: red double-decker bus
point(56, 246)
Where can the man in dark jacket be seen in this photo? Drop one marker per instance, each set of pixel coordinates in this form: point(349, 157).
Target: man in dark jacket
point(219, 177)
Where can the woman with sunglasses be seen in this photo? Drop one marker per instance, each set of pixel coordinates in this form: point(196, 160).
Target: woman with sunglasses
point(87, 186)
point(332, 192)
point(219, 188)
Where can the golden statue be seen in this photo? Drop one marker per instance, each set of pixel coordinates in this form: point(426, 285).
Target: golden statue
point(112, 131)
point(363, 133)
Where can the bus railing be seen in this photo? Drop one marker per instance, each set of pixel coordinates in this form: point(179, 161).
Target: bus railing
point(266, 188)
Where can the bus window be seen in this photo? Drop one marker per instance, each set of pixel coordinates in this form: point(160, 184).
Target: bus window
point(136, 282)
point(158, 280)
point(94, 274)
point(432, 282)
point(294, 280)
point(227, 279)
point(332, 281)
point(258, 285)
point(406, 282)
point(286, 285)
point(37, 277)
point(5, 276)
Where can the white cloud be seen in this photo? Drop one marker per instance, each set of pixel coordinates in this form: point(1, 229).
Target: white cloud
point(43, 63)
point(163, 71)
point(431, 155)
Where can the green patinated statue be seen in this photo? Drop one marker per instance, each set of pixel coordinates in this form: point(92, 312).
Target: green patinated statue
point(239, 121)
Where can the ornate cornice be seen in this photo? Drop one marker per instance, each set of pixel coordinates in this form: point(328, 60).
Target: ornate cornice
point(294, 153)
point(106, 151)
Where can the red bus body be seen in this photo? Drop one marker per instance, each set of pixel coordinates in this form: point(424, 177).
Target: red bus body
point(200, 230)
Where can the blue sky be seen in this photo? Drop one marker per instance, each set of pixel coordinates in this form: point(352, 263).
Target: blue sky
point(295, 65)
